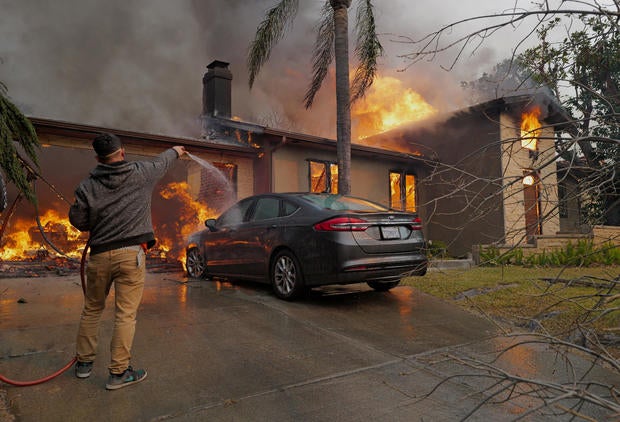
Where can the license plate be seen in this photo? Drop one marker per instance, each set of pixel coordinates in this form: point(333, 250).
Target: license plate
point(390, 232)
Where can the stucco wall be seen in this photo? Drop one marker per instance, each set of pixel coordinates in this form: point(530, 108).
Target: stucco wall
point(370, 179)
point(290, 170)
point(369, 176)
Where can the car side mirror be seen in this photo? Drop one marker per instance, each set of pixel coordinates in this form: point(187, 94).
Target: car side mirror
point(210, 224)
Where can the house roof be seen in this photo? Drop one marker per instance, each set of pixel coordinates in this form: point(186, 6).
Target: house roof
point(552, 111)
point(271, 138)
point(86, 132)
point(263, 138)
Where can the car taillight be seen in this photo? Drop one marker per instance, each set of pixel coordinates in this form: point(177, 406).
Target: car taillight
point(416, 224)
point(342, 224)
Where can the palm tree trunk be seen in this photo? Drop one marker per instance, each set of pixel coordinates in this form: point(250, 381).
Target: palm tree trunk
point(343, 105)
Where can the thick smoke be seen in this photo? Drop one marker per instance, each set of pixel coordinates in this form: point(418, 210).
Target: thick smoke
point(138, 64)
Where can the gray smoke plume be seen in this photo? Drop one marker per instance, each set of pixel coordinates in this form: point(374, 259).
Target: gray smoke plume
point(138, 64)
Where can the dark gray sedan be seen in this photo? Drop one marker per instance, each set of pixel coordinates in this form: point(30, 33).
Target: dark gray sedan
point(296, 241)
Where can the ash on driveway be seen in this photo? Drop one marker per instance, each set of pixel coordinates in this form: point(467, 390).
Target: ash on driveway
point(233, 352)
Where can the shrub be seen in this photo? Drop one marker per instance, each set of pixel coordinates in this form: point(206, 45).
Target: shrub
point(582, 254)
point(436, 249)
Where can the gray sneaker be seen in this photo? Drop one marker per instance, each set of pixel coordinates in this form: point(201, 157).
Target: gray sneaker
point(130, 376)
point(83, 369)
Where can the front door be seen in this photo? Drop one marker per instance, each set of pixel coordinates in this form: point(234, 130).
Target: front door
point(531, 201)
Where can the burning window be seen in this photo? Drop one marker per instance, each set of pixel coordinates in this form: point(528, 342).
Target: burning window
point(323, 176)
point(530, 129)
point(402, 191)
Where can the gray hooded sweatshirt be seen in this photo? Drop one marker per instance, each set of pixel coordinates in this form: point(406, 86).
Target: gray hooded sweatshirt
point(114, 202)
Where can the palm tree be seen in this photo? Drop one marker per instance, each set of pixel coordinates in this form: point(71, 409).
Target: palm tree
point(14, 126)
point(332, 41)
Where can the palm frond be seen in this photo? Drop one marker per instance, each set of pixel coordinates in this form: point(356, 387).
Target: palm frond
point(367, 50)
point(14, 126)
point(268, 33)
point(323, 53)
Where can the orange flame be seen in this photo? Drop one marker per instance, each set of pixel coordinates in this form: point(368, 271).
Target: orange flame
point(386, 105)
point(23, 238)
point(531, 129)
point(189, 216)
point(245, 138)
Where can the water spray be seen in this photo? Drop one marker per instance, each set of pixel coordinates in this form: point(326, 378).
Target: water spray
point(219, 176)
point(199, 160)
point(207, 165)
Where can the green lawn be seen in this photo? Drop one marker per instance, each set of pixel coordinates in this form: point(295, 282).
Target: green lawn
point(519, 296)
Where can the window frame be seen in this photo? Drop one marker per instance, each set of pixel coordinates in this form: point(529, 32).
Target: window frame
point(402, 200)
point(331, 178)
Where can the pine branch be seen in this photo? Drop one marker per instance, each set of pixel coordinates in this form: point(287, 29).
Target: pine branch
point(15, 127)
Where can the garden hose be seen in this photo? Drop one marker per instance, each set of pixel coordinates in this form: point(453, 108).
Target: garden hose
point(72, 361)
point(40, 380)
point(82, 277)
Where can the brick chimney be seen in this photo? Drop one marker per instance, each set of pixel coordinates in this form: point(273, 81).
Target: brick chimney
point(216, 90)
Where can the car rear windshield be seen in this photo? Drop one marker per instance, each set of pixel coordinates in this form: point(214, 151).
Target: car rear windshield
point(339, 203)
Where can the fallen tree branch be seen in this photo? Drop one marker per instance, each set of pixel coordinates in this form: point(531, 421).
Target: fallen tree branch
point(584, 282)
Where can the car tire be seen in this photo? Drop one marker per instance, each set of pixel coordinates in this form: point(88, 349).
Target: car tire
point(287, 279)
point(383, 287)
point(195, 263)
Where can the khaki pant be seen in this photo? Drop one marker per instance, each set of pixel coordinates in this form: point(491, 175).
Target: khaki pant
point(125, 268)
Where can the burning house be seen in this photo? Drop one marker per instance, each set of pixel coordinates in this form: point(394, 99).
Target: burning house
point(483, 175)
point(289, 161)
point(478, 176)
point(246, 159)
point(492, 177)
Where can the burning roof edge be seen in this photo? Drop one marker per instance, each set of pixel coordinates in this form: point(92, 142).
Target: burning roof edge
point(289, 137)
point(331, 143)
point(553, 112)
point(87, 132)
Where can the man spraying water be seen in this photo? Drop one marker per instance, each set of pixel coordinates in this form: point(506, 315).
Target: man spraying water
point(114, 205)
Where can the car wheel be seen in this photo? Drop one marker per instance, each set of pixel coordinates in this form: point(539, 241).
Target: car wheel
point(383, 287)
point(286, 276)
point(195, 263)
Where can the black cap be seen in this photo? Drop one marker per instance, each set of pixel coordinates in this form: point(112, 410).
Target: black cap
point(106, 144)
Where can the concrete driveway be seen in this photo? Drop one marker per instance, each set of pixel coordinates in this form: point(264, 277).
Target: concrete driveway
point(233, 352)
